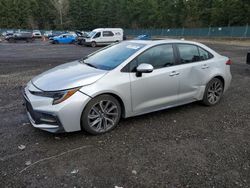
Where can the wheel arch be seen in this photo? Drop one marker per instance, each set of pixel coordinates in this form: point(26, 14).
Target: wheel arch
point(221, 79)
point(219, 76)
point(123, 111)
point(117, 97)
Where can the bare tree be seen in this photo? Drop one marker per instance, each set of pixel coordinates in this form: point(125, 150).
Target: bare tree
point(61, 7)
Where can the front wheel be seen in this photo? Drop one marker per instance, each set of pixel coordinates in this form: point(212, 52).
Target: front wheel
point(102, 114)
point(213, 92)
point(93, 44)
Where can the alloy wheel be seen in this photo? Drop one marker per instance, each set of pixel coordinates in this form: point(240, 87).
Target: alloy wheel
point(103, 116)
point(215, 91)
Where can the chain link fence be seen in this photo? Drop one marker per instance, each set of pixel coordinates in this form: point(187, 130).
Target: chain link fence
point(227, 32)
point(240, 32)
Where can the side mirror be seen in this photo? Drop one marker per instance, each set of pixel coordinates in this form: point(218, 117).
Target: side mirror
point(144, 68)
point(248, 58)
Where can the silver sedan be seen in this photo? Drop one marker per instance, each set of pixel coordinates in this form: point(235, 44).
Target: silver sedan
point(123, 80)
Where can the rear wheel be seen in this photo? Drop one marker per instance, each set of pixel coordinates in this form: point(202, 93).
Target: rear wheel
point(102, 114)
point(93, 44)
point(213, 92)
point(29, 40)
point(11, 40)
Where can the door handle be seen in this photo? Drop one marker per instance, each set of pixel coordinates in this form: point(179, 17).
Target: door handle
point(174, 73)
point(205, 66)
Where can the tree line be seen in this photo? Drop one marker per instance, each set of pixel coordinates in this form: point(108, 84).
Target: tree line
point(89, 14)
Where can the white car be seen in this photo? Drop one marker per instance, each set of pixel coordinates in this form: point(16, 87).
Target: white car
point(123, 80)
point(104, 36)
point(37, 34)
point(47, 33)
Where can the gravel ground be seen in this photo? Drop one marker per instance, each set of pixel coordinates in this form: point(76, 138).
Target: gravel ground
point(187, 146)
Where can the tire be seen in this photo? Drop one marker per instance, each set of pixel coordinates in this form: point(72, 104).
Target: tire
point(80, 42)
point(93, 44)
point(11, 40)
point(55, 42)
point(29, 40)
point(102, 114)
point(213, 92)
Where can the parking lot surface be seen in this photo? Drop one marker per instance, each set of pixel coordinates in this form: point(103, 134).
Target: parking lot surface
point(186, 146)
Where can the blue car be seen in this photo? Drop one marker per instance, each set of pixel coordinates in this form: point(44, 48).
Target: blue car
point(64, 39)
point(143, 37)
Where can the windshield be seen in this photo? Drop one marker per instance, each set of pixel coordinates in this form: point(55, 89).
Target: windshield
point(112, 56)
point(91, 34)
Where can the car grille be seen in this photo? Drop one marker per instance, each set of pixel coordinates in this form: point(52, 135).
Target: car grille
point(32, 113)
point(40, 117)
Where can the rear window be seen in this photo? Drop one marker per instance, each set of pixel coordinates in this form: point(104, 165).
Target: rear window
point(204, 55)
point(107, 34)
point(188, 53)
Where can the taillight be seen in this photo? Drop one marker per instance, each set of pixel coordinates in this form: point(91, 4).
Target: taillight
point(229, 62)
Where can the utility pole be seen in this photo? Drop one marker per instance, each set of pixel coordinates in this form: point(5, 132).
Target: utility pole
point(246, 31)
point(60, 11)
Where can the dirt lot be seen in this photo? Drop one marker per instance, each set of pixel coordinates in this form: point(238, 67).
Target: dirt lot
point(187, 146)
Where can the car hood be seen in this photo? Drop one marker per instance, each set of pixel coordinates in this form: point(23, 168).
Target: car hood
point(67, 76)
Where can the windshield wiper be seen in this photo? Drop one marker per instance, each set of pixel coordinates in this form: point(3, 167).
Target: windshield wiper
point(89, 64)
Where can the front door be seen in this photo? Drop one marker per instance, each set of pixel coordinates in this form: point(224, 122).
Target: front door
point(158, 89)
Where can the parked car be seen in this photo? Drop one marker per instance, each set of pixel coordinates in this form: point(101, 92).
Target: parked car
point(123, 80)
point(81, 36)
point(55, 34)
point(8, 32)
point(64, 39)
point(7, 35)
point(143, 37)
point(47, 34)
point(37, 34)
point(104, 36)
point(20, 36)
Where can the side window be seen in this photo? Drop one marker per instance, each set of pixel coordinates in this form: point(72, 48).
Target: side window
point(97, 35)
point(204, 55)
point(159, 56)
point(107, 34)
point(188, 53)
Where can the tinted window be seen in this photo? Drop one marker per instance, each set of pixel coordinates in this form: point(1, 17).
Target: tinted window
point(158, 57)
point(114, 55)
point(97, 35)
point(204, 55)
point(107, 34)
point(188, 53)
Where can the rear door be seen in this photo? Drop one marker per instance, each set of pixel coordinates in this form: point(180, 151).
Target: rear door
point(193, 64)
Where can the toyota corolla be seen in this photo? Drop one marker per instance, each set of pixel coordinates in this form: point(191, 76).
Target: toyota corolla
point(123, 80)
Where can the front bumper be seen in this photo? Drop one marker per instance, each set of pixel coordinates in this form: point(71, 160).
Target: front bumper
point(63, 117)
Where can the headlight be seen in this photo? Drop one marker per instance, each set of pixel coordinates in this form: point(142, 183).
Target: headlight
point(58, 96)
point(63, 95)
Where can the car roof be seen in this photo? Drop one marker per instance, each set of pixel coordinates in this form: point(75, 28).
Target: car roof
point(163, 41)
point(107, 29)
point(151, 43)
